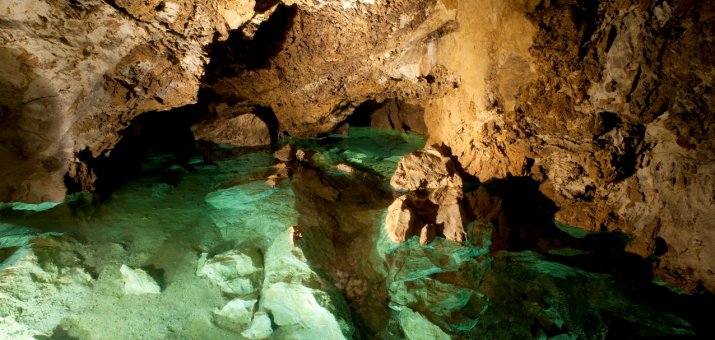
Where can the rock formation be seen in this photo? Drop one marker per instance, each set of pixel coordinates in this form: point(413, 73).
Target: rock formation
point(74, 74)
point(595, 102)
point(239, 126)
point(433, 203)
point(606, 104)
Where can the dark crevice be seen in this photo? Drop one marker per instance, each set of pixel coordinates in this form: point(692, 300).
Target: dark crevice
point(611, 38)
point(264, 5)
point(585, 15)
point(392, 114)
point(240, 52)
point(267, 115)
point(163, 136)
point(528, 224)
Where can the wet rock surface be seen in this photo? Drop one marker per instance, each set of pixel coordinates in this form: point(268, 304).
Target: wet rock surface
point(605, 105)
point(235, 257)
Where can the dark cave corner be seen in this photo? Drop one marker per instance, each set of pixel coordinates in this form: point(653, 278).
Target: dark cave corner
point(526, 223)
point(390, 114)
point(250, 47)
point(150, 145)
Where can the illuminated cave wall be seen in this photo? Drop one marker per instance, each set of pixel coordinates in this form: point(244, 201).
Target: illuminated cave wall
point(607, 106)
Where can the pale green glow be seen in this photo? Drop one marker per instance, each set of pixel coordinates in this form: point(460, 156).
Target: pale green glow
point(226, 264)
point(39, 207)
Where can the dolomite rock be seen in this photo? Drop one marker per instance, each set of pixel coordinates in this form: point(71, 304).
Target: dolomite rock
point(242, 130)
point(138, 282)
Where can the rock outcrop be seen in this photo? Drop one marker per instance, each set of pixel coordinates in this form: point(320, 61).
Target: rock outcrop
point(608, 105)
point(74, 74)
point(432, 204)
point(312, 62)
point(238, 126)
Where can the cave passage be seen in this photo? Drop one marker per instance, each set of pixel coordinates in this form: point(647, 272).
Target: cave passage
point(212, 221)
point(308, 255)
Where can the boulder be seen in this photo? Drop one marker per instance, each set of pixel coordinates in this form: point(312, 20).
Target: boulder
point(236, 273)
point(286, 154)
point(235, 315)
point(428, 169)
point(260, 327)
point(244, 130)
point(345, 168)
point(417, 327)
point(295, 308)
point(137, 282)
point(398, 221)
point(434, 198)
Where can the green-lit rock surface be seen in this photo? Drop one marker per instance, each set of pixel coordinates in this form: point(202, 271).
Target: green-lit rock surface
point(209, 250)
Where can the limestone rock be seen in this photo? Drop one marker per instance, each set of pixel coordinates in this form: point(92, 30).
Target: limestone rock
point(426, 170)
point(294, 308)
point(236, 315)
point(417, 327)
point(242, 130)
point(616, 149)
point(453, 219)
point(75, 73)
point(138, 282)
point(398, 115)
point(286, 153)
point(427, 234)
point(235, 272)
point(371, 50)
point(260, 327)
point(434, 197)
point(398, 221)
point(303, 155)
point(345, 168)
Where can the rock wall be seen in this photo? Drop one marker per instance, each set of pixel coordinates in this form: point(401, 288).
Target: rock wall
point(312, 62)
point(75, 73)
point(607, 105)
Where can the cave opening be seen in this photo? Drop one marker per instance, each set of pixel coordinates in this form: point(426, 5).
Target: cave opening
point(151, 144)
point(390, 114)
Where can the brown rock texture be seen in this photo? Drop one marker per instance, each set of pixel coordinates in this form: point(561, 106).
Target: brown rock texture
point(433, 200)
point(233, 126)
point(608, 105)
point(75, 73)
point(312, 63)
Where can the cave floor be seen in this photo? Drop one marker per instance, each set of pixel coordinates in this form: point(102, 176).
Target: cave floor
point(207, 250)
